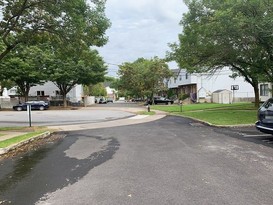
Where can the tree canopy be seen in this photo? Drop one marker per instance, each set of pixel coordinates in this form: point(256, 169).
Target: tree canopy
point(25, 67)
point(71, 66)
point(97, 90)
point(144, 77)
point(50, 41)
point(231, 33)
point(29, 21)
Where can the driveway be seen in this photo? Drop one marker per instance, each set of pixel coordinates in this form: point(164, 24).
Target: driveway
point(172, 160)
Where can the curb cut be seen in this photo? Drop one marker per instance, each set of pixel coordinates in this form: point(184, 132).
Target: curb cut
point(15, 146)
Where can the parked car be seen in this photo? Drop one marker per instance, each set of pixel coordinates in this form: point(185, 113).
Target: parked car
point(137, 100)
point(35, 105)
point(109, 100)
point(265, 117)
point(102, 101)
point(161, 100)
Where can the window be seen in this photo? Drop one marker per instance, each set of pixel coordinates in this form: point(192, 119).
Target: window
point(186, 75)
point(264, 90)
point(180, 77)
point(57, 92)
point(40, 93)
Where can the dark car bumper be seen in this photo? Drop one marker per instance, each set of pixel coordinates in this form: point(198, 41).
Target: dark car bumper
point(265, 128)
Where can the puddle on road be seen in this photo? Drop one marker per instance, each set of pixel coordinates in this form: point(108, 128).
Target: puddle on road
point(16, 169)
point(26, 179)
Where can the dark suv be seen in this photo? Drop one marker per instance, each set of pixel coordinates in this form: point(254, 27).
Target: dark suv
point(35, 105)
point(161, 100)
point(265, 117)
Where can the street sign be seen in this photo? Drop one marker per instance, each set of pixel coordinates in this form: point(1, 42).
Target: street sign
point(235, 87)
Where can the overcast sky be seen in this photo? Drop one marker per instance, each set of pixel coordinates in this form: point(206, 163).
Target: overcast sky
point(140, 28)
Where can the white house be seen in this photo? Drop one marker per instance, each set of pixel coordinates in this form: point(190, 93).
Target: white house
point(50, 90)
point(201, 86)
point(265, 91)
point(111, 93)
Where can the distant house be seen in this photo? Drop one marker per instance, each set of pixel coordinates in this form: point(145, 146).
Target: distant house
point(111, 93)
point(50, 91)
point(201, 86)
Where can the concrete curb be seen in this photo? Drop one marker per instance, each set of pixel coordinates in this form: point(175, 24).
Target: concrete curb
point(115, 123)
point(15, 146)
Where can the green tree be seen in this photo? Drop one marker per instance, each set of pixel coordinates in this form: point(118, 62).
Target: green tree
point(144, 77)
point(71, 66)
point(6, 84)
point(25, 67)
point(97, 90)
point(29, 21)
point(227, 33)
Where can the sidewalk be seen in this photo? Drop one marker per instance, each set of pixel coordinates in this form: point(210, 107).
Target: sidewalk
point(115, 123)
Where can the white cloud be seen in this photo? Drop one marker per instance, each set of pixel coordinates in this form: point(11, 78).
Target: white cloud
point(140, 28)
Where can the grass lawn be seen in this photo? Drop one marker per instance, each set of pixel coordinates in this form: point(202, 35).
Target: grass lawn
point(146, 113)
point(31, 132)
point(22, 128)
point(12, 128)
point(20, 138)
point(216, 114)
point(17, 139)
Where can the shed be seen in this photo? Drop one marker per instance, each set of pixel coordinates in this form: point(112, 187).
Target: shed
point(222, 96)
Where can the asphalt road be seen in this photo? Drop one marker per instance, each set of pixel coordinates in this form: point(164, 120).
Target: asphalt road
point(169, 161)
point(98, 113)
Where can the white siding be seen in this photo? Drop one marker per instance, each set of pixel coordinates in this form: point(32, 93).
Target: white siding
point(221, 80)
point(208, 83)
point(183, 78)
point(50, 89)
point(265, 94)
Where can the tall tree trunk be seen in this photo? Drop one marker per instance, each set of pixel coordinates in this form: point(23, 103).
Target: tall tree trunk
point(152, 98)
point(64, 89)
point(257, 95)
point(63, 93)
point(26, 96)
point(24, 89)
point(64, 100)
point(27, 89)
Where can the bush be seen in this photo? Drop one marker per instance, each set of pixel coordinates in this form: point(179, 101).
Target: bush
point(183, 96)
